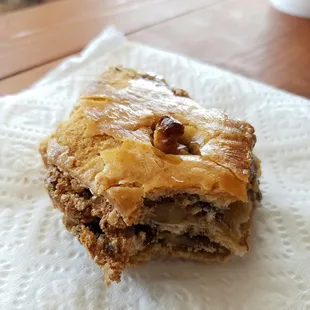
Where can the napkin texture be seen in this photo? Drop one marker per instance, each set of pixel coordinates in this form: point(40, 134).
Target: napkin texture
point(42, 266)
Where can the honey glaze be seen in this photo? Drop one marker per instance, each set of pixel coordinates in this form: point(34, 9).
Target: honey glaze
point(211, 151)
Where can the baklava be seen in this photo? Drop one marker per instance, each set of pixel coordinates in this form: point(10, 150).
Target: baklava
point(141, 170)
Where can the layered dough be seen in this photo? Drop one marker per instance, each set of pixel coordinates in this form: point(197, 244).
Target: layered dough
point(140, 170)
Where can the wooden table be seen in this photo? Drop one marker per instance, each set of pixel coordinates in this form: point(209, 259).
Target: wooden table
point(244, 36)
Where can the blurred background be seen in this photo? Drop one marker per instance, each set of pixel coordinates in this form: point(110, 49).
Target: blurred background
point(249, 37)
point(12, 5)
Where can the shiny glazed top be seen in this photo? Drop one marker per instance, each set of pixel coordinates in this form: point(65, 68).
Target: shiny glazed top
point(108, 144)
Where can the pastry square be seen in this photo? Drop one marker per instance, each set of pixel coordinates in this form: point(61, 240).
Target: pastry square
point(141, 170)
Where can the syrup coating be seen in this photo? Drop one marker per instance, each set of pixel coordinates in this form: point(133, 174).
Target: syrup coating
point(108, 144)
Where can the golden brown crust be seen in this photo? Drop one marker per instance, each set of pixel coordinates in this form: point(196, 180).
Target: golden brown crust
point(108, 144)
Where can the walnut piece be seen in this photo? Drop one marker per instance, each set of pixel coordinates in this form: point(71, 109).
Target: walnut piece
point(180, 92)
point(167, 132)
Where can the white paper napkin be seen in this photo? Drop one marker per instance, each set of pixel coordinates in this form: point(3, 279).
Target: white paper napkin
point(42, 266)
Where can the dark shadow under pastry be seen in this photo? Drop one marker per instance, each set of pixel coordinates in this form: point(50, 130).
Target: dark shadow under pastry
point(141, 170)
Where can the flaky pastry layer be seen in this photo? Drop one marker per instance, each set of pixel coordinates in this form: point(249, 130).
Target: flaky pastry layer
point(114, 143)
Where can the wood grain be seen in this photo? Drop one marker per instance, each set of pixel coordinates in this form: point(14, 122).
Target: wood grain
point(35, 36)
point(243, 36)
point(6, 7)
point(19, 82)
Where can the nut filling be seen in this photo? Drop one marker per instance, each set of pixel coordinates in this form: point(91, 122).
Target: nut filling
point(179, 225)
